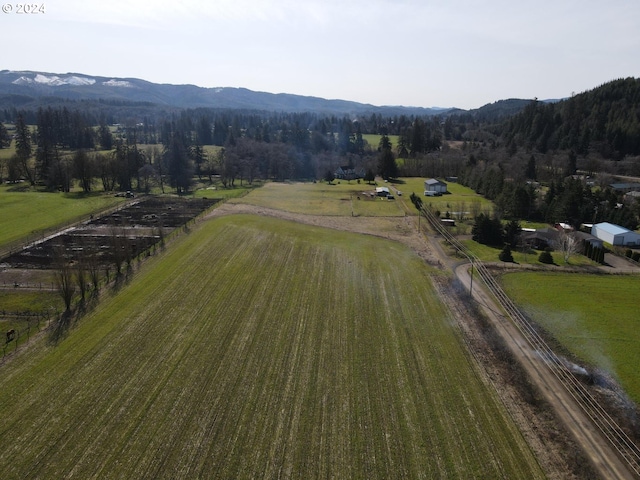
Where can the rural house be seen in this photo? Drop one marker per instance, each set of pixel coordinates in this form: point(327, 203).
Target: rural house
point(435, 186)
point(615, 234)
point(541, 238)
point(349, 173)
point(625, 187)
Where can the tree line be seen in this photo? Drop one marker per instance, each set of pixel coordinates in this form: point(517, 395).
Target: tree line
point(65, 146)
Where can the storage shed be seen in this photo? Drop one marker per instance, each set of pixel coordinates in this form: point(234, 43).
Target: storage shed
point(615, 234)
point(435, 185)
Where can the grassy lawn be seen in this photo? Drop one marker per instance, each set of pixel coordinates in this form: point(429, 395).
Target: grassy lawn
point(593, 316)
point(30, 301)
point(374, 140)
point(490, 254)
point(261, 348)
point(459, 198)
point(218, 190)
point(7, 153)
point(26, 214)
point(324, 199)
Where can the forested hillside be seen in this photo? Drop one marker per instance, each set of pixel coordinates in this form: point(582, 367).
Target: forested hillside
point(605, 120)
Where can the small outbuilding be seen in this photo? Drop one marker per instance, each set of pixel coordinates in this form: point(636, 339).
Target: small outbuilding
point(583, 238)
point(435, 185)
point(615, 234)
point(382, 191)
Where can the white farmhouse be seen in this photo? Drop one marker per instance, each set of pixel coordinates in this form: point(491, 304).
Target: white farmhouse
point(615, 234)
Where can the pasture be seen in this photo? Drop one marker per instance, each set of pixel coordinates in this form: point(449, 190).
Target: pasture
point(345, 198)
point(373, 140)
point(262, 348)
point(594, 316)
point(28, 214)
point(460, 201)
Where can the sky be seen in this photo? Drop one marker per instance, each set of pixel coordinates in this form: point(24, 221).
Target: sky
point(423, 53)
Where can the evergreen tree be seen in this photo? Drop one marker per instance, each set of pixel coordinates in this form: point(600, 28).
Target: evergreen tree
point(359, 141)
point(199, 158)
point(204, 135)
point(329, 176)
point(418, 137)
point(511, 232)
point(105, 137)
point(5, 139)
point(487, 230)
point(546, 257)
point(506, 255)
point(178, 163)
point(530, 172)
point(369, 176)
point(387, 167)
point(24, 149)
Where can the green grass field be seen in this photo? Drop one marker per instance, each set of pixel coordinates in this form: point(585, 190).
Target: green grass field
point(459, 198)
point(374, 140)
point(27, 214)
point(261, 348)
point(324, 199)
point(593, 316)
point(7, 153)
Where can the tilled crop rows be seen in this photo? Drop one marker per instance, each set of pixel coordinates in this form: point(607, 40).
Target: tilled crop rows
point(258, 348)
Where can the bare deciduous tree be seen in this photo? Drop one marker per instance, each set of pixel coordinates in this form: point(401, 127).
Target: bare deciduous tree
point(64, 277)
point(567, 245)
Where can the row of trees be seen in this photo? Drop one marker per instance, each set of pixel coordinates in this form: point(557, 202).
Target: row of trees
point(42, 157)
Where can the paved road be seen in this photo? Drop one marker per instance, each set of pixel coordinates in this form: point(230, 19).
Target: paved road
point(615, 264)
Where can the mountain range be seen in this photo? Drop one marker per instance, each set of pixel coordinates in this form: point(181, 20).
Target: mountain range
point(24, 89)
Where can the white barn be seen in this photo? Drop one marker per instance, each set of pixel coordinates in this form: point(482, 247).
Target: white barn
point(435, 185)
point(615, 234)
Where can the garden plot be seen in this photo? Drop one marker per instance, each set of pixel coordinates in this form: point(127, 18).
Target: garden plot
point(121, 235)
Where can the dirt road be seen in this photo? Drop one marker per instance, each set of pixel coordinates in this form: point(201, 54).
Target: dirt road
point(598, 449)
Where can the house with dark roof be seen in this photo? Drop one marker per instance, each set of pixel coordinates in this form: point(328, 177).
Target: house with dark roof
point(541, 238)
point(583, 238)
point(625, 187)
point(349, 173)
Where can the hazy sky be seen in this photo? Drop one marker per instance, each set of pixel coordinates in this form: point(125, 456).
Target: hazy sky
point(456, 53)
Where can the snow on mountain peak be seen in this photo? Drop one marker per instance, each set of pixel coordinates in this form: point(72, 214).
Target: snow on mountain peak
point(53, 80)
point(73, 80)
point(117, 83)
